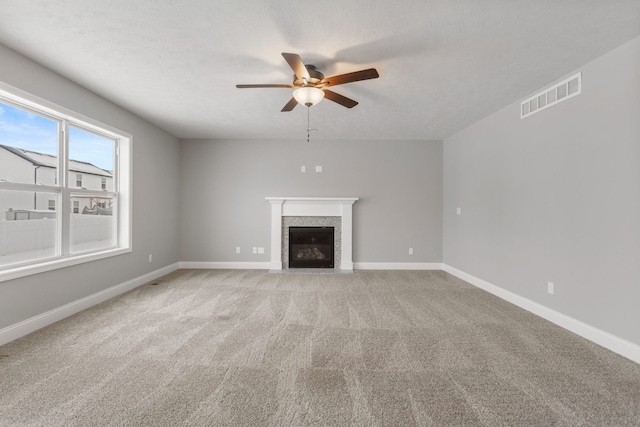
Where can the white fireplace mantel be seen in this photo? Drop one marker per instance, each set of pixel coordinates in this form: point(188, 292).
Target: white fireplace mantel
point(312, 206)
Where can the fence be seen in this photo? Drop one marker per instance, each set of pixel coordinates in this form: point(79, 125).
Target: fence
point(40, 234)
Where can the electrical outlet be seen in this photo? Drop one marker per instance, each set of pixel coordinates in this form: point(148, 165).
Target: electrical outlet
point(260, 250)
point(459, 211)
point(150, 257)
point(550, 287)
point(410, 251)
point(318, 168)
point(255, 250)
point(303, 169)
point(237, 249)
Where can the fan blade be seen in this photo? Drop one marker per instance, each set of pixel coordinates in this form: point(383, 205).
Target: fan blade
point(296, 65)
point(342, 100)
point(267, 85)
point(290, 105)
point(341, 79)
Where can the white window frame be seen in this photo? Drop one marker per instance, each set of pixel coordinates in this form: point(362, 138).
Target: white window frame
point(103, 183)
point(78, 180)
point(52, 205)
point(122, 185)
point(76, 207)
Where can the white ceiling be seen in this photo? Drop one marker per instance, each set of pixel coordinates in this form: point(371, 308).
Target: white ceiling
point(443, 64)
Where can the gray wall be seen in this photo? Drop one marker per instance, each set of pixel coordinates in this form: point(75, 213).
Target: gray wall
point(155, 204)
point(224, 184)
point(556, 197)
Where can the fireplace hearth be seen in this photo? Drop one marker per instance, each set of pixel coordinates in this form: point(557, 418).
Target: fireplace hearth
point(311, 247)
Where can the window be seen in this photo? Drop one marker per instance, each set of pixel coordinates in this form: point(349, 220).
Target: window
point(55, 163)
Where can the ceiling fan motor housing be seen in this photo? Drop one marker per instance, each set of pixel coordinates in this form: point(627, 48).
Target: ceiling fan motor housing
point(316, 77)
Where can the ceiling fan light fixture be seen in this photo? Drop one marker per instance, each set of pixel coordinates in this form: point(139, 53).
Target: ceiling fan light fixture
point(308, 95)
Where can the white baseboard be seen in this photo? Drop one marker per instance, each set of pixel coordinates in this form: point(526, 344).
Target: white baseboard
point(269, 266)
point(227, 265)
point(397, 265)
point(25, 327)
point(616, 344)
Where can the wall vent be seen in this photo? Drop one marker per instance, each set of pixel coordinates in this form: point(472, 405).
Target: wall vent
point(557, 93)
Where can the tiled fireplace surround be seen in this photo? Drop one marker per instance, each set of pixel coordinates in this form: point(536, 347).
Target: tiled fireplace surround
point(312, 211)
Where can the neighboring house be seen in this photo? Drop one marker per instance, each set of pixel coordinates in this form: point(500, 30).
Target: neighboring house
point(24, 166)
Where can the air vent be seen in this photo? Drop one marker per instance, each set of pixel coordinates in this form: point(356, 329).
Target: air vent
point(551, 96)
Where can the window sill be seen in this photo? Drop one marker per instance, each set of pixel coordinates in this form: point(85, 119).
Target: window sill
point(41, 267)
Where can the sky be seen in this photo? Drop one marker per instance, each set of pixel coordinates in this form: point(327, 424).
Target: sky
point(28, 131)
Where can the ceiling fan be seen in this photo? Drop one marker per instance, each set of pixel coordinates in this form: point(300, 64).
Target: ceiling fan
point(310, 84)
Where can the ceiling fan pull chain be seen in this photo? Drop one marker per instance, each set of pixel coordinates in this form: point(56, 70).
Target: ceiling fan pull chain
point(309, 130)
point(308, 126)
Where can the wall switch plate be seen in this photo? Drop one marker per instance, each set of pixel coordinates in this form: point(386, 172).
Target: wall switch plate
point(318, 168)
point(303, 169)
point(237, 249)
point(150, 257)
point(260, 250)
point(550, 287)
point(410, 251)
point(459, 211)
point(255, 250)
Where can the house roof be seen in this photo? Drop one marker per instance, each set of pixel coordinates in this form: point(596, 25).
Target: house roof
point(49, 161)
point(443, 65)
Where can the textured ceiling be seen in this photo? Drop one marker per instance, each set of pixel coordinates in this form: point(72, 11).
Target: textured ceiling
point(443, 64)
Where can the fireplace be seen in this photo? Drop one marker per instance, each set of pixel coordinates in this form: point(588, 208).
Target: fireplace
point(310, 210)
point(311, 247)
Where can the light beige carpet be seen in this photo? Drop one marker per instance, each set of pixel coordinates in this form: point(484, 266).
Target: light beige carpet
point(252, 348)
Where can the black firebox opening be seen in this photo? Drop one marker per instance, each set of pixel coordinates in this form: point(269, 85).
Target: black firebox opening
point(310, 247)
